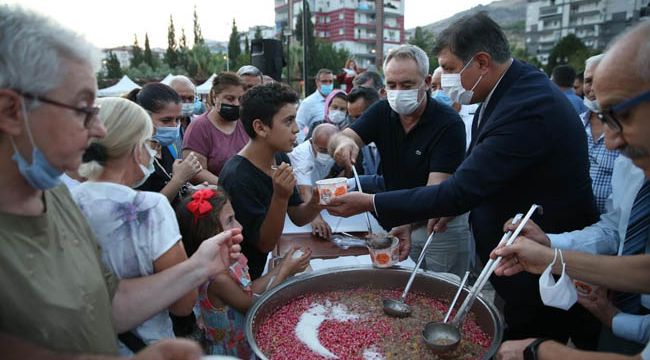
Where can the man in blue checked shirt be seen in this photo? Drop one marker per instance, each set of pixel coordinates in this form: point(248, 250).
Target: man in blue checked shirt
point(601, 160)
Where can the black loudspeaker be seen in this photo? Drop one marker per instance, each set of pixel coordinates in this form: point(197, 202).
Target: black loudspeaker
point(266, 55)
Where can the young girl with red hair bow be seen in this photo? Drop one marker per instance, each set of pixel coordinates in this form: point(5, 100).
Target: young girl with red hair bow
point(223, 301)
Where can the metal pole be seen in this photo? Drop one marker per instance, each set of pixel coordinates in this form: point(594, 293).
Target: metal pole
point(379, 30)
point(304, 46)
point(290, 32)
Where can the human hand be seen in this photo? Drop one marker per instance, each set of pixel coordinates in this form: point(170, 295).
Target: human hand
point(438, 225)
point(171, 349)
point(185, 169)
point(523, 255)
point(215, 254)
point(284, 182)
point(320, 228)
point(345, 154)
point(403, 233)
point(295, 265)
point(531, 230)
point(350, 204)
point(513, 349)
point(599, 304)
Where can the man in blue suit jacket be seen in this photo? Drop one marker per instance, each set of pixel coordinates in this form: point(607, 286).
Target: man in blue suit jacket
point(528, 147)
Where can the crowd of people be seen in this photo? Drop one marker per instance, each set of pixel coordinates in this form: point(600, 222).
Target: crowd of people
point(132, 224)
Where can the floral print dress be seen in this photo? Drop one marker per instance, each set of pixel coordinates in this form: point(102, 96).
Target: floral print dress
point(222, 327)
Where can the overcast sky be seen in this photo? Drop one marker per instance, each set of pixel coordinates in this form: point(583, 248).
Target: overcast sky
point(109, 23)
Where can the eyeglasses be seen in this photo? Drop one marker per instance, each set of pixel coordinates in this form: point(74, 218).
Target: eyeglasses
point(90, 111)
point(609, 117)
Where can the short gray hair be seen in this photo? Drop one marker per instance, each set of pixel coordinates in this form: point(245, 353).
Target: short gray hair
point(593, 61)
point(182, 79)
point(408, 51)
point(249, 70)
point(34, 51)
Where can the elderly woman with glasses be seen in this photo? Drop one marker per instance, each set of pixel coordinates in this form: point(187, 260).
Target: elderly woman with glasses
point(58, 298)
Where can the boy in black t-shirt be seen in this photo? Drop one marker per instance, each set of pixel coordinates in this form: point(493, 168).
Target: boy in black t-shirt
point(259, 178)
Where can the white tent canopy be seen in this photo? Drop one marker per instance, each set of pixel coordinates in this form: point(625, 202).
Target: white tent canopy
point(206, 86)
point(122, 87)
point(168, 79)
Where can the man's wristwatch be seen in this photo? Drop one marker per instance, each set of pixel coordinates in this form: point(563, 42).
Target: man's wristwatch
point(530, 352)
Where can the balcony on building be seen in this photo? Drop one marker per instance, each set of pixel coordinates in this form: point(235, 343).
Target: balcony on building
point(391, 9)
point(281, 4)
point(366, 7)
point(547, 12)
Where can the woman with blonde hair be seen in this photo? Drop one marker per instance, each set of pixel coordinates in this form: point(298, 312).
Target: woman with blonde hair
point(137, 230)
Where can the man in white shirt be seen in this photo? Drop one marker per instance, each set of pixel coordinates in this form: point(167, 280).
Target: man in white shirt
point(606, 237)
point(313, 107)
point(311, 163)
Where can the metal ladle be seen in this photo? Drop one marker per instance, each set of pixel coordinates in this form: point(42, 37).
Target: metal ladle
point(376, 241)
point(399, 308)
point(444, 337)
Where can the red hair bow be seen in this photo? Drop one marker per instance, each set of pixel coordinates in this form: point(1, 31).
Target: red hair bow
point(200, 205)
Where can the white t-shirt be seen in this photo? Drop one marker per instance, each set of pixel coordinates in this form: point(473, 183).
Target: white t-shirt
point(134, 228)
point(305, 166)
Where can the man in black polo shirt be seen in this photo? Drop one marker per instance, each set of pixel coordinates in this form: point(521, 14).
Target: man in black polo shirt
point(420, 142)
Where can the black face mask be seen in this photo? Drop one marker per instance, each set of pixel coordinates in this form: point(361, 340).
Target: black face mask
point(229, 112)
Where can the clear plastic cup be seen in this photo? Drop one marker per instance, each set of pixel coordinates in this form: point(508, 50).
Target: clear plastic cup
point(387, 257)
point(328, 189)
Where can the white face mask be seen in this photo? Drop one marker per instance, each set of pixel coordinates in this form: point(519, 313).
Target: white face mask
point(561, 295)
point(336, 116)
point(403, 102)
point(453, 87)
point(592, 105)
point(187, 109)
point(146, 170)
point(323, 158)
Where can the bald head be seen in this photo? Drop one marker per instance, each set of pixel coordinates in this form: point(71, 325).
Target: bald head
point(623, 75)
point(624, 71)
point(184, 87)
point(322, 134)
point(436, 79)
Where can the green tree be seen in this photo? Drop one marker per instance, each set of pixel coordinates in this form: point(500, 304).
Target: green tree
point(329, 56)
point(258, 33)
point(569, 50)
point(247, 46)
point(148, 55)
point(234, 48)
point(136, 53)
point(425, 40)
point(310, 25)
point(201, 62)
point(198, 35)
point(183, 51)
point(171, 55)
point(521, 54)
point(113, 69)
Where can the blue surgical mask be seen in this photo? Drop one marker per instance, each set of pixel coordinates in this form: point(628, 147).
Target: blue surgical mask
point(187, 109)
point(199, 108)
point(167, 135)
point(326, 89)
point(441, 97)
point(40, 174)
